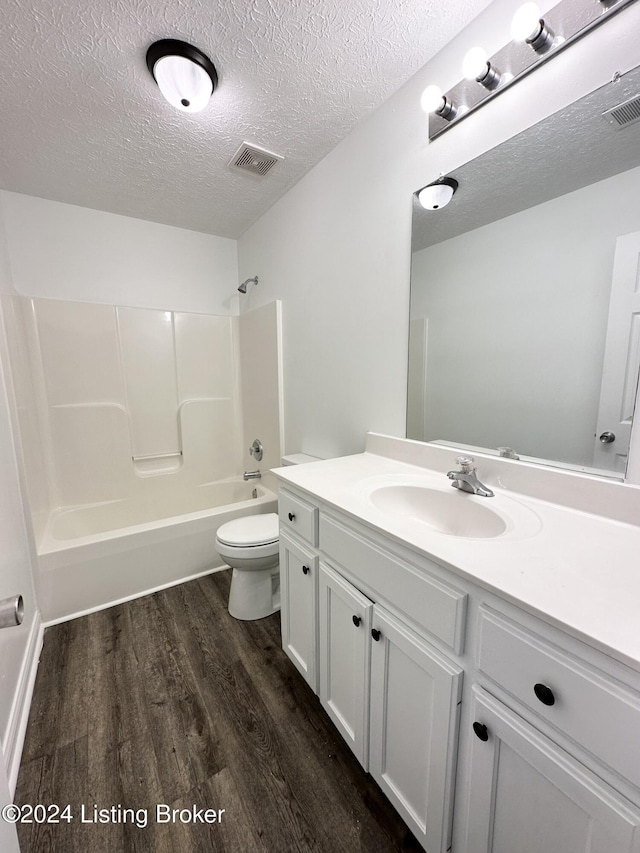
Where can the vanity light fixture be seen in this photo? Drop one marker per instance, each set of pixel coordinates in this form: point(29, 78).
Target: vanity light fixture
point(534, 41)
point(185, 76)
point(437, 195)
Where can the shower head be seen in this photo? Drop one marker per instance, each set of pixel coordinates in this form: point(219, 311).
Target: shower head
point(243, 286)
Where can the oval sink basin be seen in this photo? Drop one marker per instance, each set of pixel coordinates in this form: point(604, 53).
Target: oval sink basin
point(452, 512)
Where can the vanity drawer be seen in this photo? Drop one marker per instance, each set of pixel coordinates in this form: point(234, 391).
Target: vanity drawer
point(600, 714)
point(299, 516)
point(437, 607)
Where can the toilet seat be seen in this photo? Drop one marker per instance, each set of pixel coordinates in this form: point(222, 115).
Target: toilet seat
point(251, 531)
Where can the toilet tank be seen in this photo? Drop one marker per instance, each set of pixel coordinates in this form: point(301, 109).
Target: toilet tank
point(298, 459)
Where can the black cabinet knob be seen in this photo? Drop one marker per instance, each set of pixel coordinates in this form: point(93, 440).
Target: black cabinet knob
point(375, 634)
point(305, 570)
point(356, 621)
point(481, 731)
point(291, 516)
point(544, 694)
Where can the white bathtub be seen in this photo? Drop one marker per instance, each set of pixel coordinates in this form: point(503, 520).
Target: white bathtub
point(98, 555)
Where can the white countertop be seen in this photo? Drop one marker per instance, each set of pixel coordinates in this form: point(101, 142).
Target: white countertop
point(577, 569)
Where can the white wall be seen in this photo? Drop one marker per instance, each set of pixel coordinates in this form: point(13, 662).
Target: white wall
point(261, 372)
point(336, 248)
point(534, 309)
point(18, 644)
point(61, 251)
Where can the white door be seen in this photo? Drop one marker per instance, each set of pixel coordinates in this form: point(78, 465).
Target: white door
point(413, 739)
point(345, 643)
point(298, 592)
point(621, 358)
point(526, 795)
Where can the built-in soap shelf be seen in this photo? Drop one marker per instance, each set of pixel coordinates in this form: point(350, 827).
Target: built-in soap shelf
point(162, 463)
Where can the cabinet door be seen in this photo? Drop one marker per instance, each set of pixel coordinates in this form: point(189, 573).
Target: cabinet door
point(299, 595)
point(415, 695)
point(527, 794)
point(345, 641)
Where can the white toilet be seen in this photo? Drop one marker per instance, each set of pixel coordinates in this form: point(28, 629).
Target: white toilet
point(250, 545)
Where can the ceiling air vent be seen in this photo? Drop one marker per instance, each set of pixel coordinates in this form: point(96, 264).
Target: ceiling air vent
point(250, 158)
point(624, 114)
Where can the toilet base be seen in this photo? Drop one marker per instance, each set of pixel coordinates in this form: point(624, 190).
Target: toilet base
point(254, 594)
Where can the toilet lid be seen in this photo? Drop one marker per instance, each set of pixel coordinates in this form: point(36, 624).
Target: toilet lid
point(250, 530)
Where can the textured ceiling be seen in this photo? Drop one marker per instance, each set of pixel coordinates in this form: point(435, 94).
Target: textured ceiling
point(83, 122)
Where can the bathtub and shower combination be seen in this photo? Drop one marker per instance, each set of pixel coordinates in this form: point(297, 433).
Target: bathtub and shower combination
point(113, 551)
point(133, 424)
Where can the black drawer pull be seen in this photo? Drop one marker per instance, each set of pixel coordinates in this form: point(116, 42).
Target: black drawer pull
point(481, 731)
point(305, 570)
point(356, 621)
point(544, 694)
point(292, 516)
point(375, 634)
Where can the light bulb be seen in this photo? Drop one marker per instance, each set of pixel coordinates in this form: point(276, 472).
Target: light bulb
point(526, 22)
point(186, 85)
point(474, 64)
point(432, 99)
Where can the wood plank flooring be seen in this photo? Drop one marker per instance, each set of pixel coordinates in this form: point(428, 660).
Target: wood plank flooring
point(168, 700)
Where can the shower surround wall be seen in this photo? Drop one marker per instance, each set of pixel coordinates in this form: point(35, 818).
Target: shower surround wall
point(134, 403)
point(134, 439)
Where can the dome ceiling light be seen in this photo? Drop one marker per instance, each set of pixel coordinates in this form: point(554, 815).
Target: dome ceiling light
point(437, 195)
point(185, 76)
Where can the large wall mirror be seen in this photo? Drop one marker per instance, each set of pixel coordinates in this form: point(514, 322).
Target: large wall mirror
point(525, 293)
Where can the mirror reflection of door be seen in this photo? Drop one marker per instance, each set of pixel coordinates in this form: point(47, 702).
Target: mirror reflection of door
point(621, 358)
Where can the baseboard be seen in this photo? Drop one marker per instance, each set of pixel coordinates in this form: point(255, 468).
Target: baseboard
point(135, 595)
point(22, 702)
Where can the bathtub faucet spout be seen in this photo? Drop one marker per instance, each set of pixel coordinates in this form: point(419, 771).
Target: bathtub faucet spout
point(252, 475)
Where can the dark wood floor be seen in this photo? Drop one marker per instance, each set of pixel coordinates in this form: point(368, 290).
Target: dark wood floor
point(168, 700)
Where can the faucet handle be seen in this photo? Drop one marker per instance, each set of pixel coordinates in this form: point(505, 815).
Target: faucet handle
point(465, 463)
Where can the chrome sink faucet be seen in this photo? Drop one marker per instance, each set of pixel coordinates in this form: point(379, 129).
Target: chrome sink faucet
point(465, 479)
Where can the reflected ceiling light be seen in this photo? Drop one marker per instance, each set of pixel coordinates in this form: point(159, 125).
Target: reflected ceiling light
point(438, 194)
point(185, 76)
point(528, 26)
point(476, 66)
point(433, 101)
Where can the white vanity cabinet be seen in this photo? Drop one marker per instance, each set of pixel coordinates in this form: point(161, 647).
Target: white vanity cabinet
point(548, 759)
point(392, 694)
point(538, 791)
